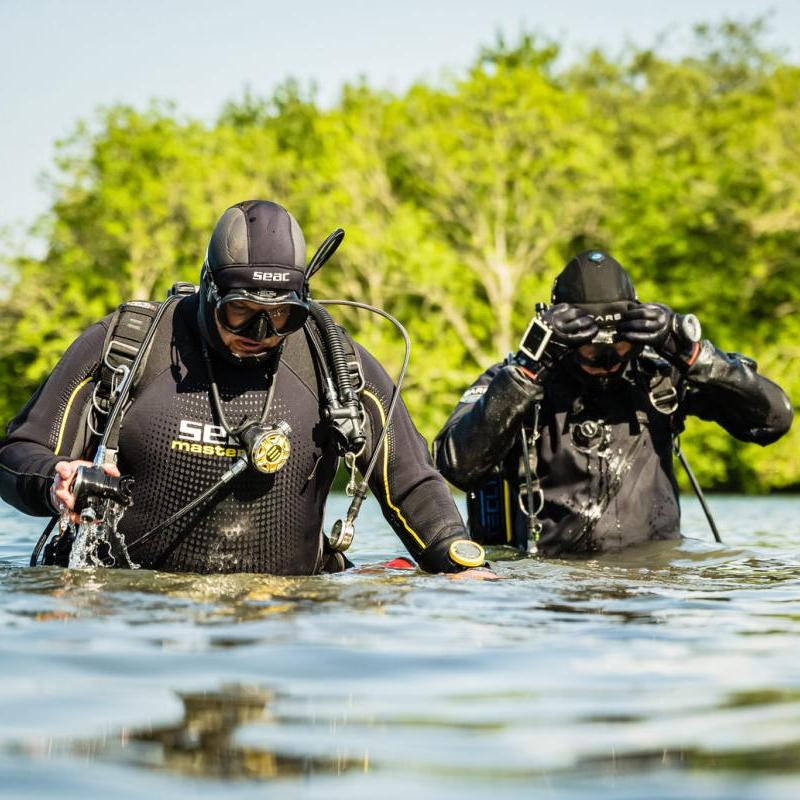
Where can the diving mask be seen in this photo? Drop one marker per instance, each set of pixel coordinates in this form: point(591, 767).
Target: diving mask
point(258, 317)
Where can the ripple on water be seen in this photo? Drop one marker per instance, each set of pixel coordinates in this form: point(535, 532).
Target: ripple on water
point(665, 671)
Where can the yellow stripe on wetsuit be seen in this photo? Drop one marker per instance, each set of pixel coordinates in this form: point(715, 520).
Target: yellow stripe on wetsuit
point(507, 507)
point(66, 412)
point(386, 471)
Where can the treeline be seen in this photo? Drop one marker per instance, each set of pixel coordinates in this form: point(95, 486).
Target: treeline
point(461, 201)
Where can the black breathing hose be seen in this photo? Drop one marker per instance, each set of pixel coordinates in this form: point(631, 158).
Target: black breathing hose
point(697, 490)
point(332, 339)
point(398, 384)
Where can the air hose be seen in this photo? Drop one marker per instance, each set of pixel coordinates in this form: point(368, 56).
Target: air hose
point(333, 341)
point(343, 530)
point(344, 409)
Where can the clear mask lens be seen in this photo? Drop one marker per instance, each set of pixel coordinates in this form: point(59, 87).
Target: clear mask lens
point(258, 321)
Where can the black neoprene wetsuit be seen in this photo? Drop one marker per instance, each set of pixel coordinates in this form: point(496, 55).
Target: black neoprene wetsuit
point(174, 447)
point(603, 457)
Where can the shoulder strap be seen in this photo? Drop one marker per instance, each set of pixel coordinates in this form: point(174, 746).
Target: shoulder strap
point(126, 333)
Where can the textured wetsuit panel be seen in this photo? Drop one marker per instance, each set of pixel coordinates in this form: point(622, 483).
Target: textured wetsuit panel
point(50, 421)
point(413, 498)
point(175, 447)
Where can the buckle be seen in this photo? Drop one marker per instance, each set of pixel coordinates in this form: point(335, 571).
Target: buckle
point(127, 353)
point(538, 503)
point(665, 401)
point(356, 372)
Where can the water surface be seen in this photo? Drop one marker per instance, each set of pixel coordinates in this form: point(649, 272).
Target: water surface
point(671, 670)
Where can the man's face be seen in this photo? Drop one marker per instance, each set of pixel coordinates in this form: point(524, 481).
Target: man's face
point(238, 312)
point(600, 360)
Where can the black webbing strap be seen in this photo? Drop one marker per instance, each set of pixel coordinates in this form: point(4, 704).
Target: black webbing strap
point(127, 332)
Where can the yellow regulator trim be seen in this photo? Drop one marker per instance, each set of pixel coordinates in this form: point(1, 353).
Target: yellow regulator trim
point(272, 452)
point(386, 472)
point(63, 426)
point(466, 553)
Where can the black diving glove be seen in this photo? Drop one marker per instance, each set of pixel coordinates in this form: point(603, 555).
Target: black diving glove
point(554, 332)
point(673, 336)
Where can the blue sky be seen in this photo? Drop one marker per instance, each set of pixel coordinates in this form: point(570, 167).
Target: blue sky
point(60, 60)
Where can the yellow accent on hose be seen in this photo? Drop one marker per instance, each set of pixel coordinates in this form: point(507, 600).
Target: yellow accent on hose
point(66, 412)
point(507, 505)
point(386, 470)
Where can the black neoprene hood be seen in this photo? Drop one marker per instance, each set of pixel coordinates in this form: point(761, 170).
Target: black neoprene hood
point(257, 245)
point(257, 248)
point(596, 282)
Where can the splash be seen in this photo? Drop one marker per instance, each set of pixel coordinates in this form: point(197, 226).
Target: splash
point(97, 543)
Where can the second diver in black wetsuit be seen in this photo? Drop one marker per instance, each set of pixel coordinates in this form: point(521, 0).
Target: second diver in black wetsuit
point(241, 357)
point(567, 447)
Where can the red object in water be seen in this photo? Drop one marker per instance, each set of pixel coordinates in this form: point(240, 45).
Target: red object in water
point(398, 563)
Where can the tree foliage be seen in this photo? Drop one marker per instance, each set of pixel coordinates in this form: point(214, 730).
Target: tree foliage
point(461, 202)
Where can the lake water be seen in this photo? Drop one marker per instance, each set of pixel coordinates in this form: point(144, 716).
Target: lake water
point(668, 671)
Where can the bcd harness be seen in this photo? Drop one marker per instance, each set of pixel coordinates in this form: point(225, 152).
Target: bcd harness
point(126, 347)
point(127, 332)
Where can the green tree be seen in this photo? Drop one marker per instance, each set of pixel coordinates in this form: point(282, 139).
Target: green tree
point(461, 201)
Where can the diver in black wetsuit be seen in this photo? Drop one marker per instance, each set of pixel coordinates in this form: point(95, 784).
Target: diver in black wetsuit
point(567, 447)
point(240, 355)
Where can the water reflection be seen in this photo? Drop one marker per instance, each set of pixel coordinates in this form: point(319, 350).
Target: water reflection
point(203, 743)
point(678, 659)
point(144, 597)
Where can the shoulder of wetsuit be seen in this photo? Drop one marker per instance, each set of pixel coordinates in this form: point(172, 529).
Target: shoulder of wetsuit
point(650, 363)
point(743, 359)
point(657, 370)
point(299, 356)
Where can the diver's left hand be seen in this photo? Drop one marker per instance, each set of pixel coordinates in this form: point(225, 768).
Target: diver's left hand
point(658, 326)
point(474, 574)
point(646, 324)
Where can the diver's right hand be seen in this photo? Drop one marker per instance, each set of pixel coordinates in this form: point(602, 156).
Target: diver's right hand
point(61, 495)
point(570, 328)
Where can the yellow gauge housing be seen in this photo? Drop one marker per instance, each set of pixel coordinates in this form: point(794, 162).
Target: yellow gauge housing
point(467, 553)
point(271, 451)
